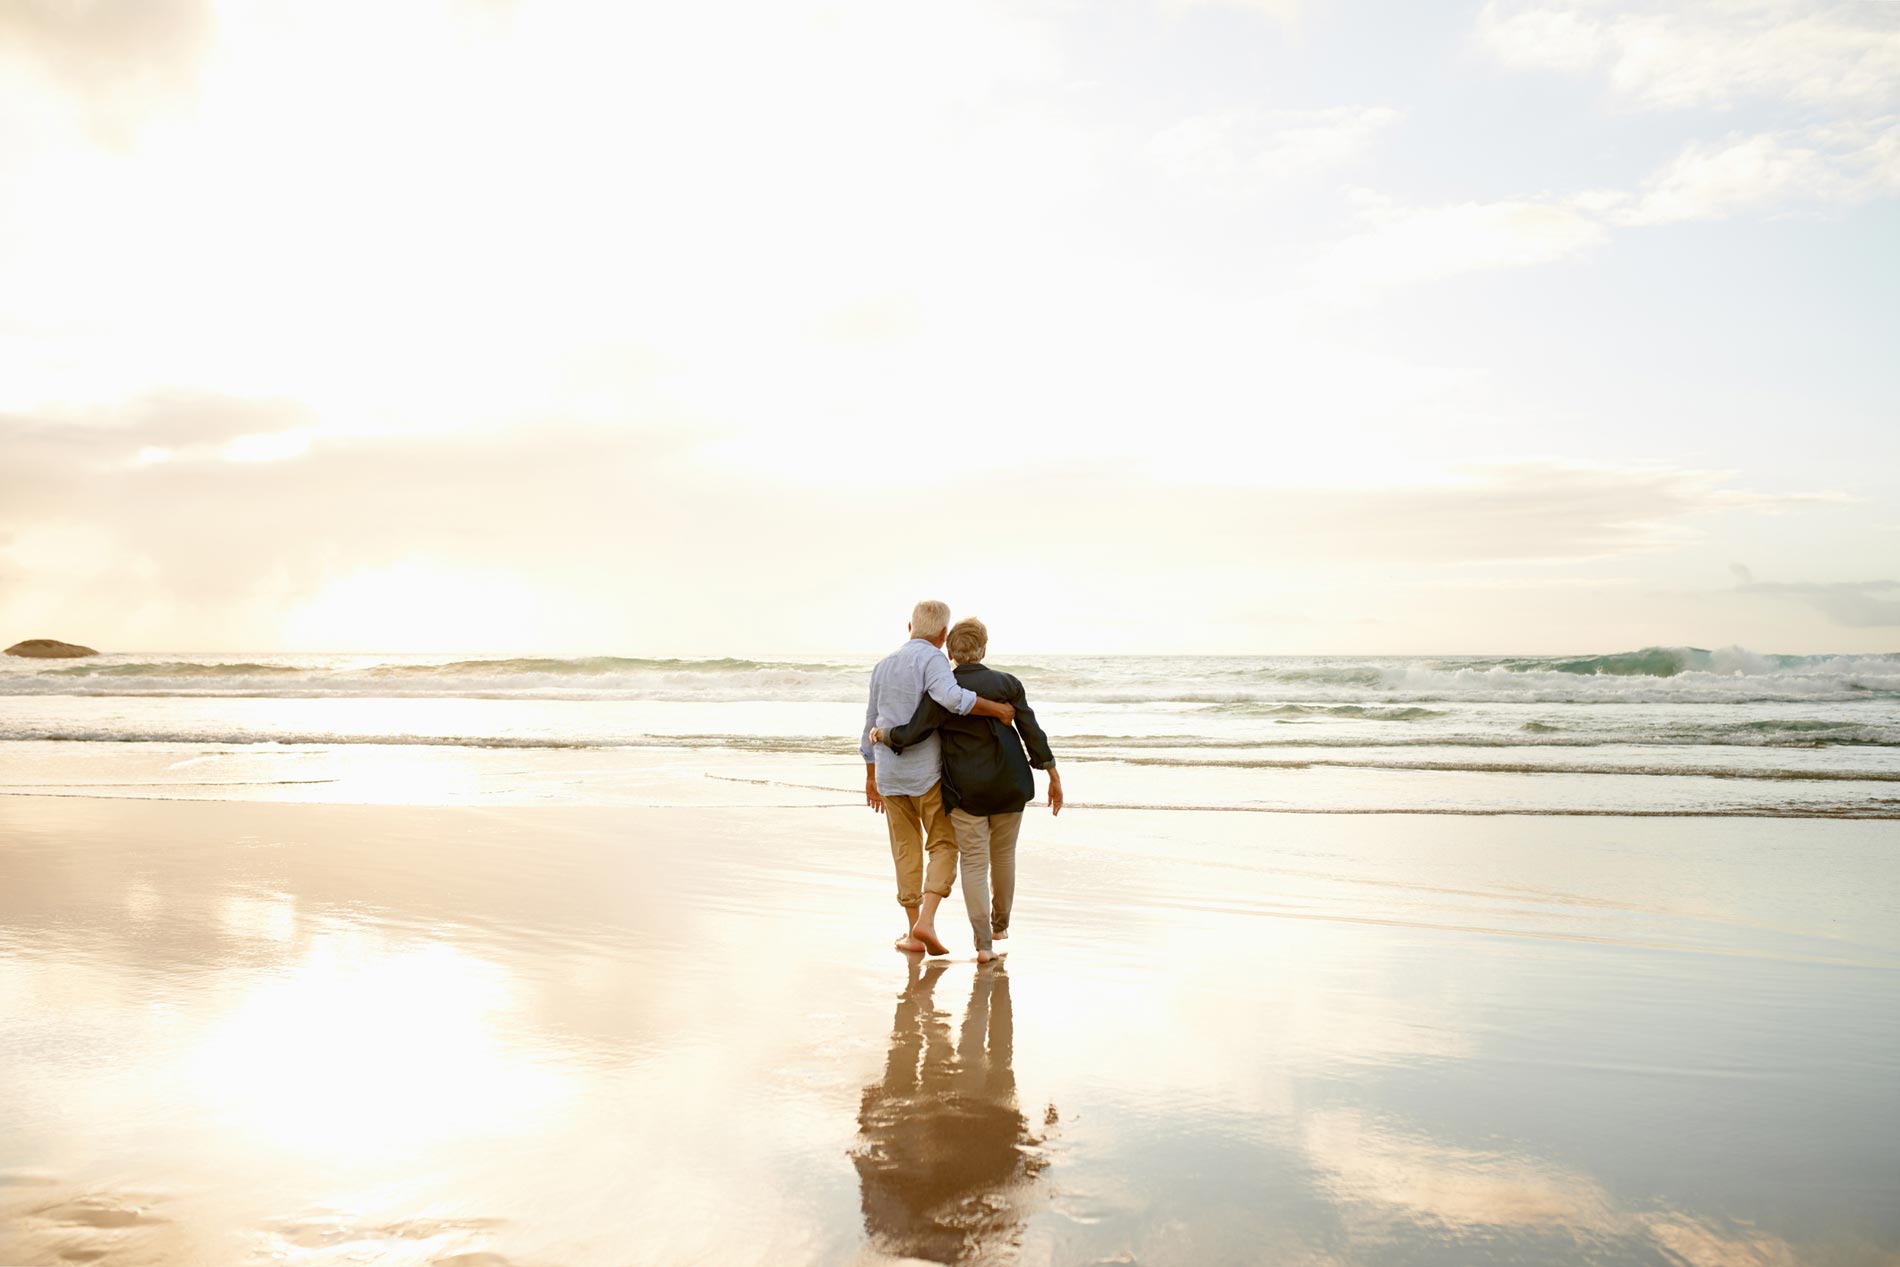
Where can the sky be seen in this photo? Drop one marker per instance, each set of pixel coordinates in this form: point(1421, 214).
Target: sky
point(1238, 326)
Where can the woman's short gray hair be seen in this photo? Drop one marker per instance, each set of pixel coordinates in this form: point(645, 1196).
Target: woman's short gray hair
point(969, 640)
point(929, 618)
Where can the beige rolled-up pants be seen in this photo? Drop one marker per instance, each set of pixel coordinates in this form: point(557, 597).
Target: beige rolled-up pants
point(917, 825)
point(986, 858)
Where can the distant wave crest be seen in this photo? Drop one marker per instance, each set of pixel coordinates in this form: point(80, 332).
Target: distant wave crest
point(1370, 688)
point(1669, 661)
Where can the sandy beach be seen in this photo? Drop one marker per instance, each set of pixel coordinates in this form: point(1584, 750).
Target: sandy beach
point(247, 1032)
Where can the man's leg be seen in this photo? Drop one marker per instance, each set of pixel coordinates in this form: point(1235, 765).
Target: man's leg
point(940, 873)
point(1004, 829)
point(905, 824)
point(973, 866)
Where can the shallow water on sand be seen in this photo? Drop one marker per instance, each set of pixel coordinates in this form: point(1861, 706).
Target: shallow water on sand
point(339, 1033)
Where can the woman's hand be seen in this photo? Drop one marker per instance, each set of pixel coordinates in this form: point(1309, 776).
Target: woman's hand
point(1055, 793)
point(877, 734)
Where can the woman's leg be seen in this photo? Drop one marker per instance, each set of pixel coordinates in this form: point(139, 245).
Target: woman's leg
point(1003, 829)
point(973, 864)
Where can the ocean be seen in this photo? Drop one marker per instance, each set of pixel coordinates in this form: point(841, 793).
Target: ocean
point(1656, 731)
point(332, 959)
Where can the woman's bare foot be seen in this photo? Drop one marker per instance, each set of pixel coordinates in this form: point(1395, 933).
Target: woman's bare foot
point(927, 935)
point(989, 956)
point(909, 945)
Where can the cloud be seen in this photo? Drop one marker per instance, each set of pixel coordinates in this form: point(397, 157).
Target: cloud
point(1854, 604)
point(1707, 55)
point(1527, 510)
point(48, 454)
point(577, 181)
point(1282, 10)
point(1411, 245)
point(1250, 151)
point(631, 538)
point(1838, 64)
point(1460, 1192)
point(210, 547)
point(116, 59)
point(1836, 164)
point(1831, 164)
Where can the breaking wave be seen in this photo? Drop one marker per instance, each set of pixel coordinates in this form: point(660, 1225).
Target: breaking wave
point(1368, 712)
point(587, 677)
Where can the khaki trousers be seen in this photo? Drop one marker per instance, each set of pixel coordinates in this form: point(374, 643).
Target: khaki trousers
point(918, 825)
point(986, 848)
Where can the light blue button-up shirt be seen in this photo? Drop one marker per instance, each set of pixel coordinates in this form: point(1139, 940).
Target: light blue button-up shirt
point(898, 684)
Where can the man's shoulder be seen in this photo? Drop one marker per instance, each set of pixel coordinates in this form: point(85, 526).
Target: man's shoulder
point(899, 656)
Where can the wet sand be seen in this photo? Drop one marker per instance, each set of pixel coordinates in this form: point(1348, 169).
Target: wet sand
point(237, 1032)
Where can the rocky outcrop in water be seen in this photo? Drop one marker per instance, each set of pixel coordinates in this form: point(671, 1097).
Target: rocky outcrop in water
point(49, 649)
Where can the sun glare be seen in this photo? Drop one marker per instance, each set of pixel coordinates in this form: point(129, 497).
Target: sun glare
point(417, 605)
point(291, 1061)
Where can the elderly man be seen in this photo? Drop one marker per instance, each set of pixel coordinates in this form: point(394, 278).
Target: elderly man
point(904, 787)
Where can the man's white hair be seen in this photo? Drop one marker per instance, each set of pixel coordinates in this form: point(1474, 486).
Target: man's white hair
point(929, 618)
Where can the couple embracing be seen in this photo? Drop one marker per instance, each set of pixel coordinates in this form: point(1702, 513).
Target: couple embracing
point(950, 775)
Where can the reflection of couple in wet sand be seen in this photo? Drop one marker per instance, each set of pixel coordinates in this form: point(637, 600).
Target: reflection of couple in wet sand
point(945, 1157)
point(951, 782)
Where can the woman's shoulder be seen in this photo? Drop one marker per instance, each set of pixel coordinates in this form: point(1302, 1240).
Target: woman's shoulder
point(1008, 681)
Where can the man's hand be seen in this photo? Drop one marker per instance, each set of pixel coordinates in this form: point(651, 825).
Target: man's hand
point(872, 796)
point(1005, 713)
point(1055, 793)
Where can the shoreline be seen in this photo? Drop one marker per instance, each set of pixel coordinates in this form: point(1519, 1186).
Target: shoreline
point(1797, 815)
point(1851, 785)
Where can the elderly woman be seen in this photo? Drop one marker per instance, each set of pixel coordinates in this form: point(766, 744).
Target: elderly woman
point(986, 781)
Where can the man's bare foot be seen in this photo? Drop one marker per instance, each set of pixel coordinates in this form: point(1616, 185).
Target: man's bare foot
point(1001, 934)
point(909, 945)
point(928, 936)
point(989, 956)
